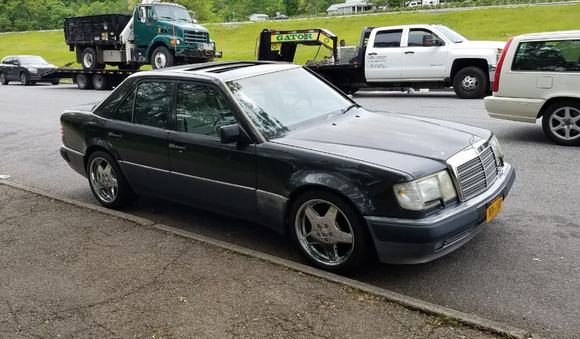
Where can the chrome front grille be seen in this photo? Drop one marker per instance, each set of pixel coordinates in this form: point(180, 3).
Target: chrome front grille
point(192, 37)
point(475, 169)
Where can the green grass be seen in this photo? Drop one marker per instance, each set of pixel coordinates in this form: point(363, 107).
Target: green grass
point(238, 41)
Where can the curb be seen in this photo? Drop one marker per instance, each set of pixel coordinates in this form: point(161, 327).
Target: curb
point(411, 303)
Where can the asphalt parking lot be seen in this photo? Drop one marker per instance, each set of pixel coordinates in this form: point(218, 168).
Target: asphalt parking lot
point(522, 270)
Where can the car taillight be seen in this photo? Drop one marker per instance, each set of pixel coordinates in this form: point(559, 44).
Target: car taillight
point(495, 86)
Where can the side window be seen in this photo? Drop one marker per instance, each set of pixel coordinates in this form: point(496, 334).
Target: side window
point(548, 56)
point(422, 38)
point(125, 110)
point(143, 14)
point(108, 108)
point(153, 104)
point(386, 39)
point(201, 109)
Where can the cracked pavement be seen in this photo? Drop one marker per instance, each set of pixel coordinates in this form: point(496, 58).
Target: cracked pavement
point(70, 272)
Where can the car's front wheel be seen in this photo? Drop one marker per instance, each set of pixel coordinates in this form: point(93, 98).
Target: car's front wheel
point(561, 122)
point(3, 80)
point(329, 232)
point(24, 79)
point(470, 83)
point(107, 181)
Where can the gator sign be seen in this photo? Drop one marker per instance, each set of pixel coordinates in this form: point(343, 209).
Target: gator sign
point(294, 37)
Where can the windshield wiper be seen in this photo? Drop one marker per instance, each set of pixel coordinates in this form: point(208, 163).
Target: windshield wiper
point(353, 105)
point(167, 17)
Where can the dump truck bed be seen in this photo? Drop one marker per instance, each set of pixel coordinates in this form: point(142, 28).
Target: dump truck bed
point(95, 29)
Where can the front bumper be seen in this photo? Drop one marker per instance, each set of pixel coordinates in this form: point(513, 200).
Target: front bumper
point(191, 53)
point(415, 241)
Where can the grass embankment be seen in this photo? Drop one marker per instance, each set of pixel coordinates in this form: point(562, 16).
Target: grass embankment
point(238, 41)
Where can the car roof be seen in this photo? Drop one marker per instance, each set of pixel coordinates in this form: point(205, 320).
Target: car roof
point(551, 35)
point(222, 71)
point(410, 26)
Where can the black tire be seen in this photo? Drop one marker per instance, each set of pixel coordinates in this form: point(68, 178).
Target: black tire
point(563, 112)
point(471, 83)
point(356, 254)
point(101, 82)
point(129, 67)
point(84, 81)
point(3, 80)
point(162, 52)
point(89, 59)
point(24, 79)
point(55, 82)
point(124, 194)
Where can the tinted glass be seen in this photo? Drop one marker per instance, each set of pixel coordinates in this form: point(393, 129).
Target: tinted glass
point(32, 60)
point(282, 101)
point(153, 104)
point(201, 109)
point(421, 38)
point(385, 39)
point(548, 56)
point(109, 105)
point(125, 110)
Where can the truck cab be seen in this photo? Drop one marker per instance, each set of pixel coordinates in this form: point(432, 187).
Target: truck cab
point(164, 34)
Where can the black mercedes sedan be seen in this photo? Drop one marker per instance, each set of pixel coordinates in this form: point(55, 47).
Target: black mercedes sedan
point(277, 145)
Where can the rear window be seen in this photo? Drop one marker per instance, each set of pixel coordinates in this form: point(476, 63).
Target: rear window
point(548, 56)
point(386, 39)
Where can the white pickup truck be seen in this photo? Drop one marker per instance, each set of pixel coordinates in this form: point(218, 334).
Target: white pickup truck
point(413, 56)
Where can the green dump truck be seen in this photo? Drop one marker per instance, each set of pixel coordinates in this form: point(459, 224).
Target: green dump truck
point(160, 34)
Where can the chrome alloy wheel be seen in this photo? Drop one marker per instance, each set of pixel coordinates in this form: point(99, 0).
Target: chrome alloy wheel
point(103, 180)
point(324, 232)
point(469, 83)
point(565, 123)
point(160, 60)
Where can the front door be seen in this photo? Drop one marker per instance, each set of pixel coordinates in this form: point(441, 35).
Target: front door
point(204, 171)
point(384, 56)
point(425, 56)
point(138, 132)
point(144, 26)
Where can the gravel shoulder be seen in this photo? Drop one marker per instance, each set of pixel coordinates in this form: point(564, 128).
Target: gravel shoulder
point(66, 271)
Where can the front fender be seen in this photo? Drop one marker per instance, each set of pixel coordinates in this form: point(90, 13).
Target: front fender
point(162, 39)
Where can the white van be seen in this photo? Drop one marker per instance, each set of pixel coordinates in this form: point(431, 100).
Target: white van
point(538, 76)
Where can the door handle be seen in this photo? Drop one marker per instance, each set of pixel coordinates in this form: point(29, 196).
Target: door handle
point(115, 135)
point(372, 53)
point(177, 147)
point(409, 52)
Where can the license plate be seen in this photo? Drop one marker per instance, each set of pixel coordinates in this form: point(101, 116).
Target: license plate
point(494, 209)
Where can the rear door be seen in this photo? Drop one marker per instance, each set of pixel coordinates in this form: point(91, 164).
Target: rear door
point(384, 56)
point(138, 132)
point(204, 171)
point(425, 55)
point(10, 69)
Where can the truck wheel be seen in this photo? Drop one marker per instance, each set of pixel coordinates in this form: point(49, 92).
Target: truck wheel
point(561, 122)
point(470, 83)
point(101, 82)
point(84, 81)
point(55, 81)
point(162, 58)
point(89, 59)
point(3, 80)
point(24, 79)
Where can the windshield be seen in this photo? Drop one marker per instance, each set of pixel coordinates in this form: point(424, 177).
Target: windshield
point(32, 60)
point(451, 34)
point(172, 12)
point(282, 101)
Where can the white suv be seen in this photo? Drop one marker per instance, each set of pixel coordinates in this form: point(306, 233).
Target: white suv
point(538, 75)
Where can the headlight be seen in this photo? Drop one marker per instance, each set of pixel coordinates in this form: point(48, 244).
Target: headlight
point(426, 192)
point(496, 148)
point(33, 70)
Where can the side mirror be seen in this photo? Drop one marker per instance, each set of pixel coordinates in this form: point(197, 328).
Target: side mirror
point(438, 42)
point(232, 133)
point(154, 17)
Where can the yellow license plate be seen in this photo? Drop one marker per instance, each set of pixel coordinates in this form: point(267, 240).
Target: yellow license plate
point(494, 209)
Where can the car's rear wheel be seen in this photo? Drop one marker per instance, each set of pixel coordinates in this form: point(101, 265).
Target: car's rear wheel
point(329, 232)
point(3, 80)
point(470, 83)
point(561, 122)
point(24, 79)
point(107, 181)
point(55, 81)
